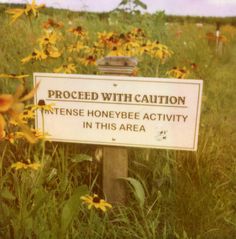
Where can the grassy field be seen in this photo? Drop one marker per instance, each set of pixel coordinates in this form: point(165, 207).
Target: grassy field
point(187, 194)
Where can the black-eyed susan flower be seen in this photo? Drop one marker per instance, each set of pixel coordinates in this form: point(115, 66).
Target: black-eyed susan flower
point(16, 13)
point(30, 9)
point(160, 51)
point(52, 52)
point(33, 8)
point(89, 60)
point(81, 46)
point(20, 165)
point(28, 58)
point(145, 47)
point(24, 117)
point(27, 114)
point(39, 134)
point(78, 31)
point(35, 55)
point(115, 51)
point(12, 137)
point(96, 202)
point(95, 50)
point(66, 68)
point(108, 39)
point(137, 32)
point(50, 23)
point(42, 106)
point(72, 48)
point(78, 47)
point(50, 38)
point(178, 72)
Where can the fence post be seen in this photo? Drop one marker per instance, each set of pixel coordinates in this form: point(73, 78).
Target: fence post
point(115, 159)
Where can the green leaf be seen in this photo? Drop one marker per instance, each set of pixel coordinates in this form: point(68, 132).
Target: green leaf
point(140, 4)
point(138, 190)
point(81, 158)
point(123, 2)
point(41, 197)
point(71, 207)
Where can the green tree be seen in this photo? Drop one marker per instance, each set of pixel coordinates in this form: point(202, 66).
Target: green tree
point(132, 6)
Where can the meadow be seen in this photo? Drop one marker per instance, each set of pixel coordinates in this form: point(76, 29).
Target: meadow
point(187, 195)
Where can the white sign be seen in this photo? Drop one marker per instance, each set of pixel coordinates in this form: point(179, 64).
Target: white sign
point(122, 111)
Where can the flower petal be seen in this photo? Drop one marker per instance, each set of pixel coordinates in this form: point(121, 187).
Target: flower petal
point(6, 101)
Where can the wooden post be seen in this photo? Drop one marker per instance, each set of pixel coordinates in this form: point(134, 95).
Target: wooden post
point(115, 159)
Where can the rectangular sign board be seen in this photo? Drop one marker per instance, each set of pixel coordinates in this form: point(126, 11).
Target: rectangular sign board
point(122, 111)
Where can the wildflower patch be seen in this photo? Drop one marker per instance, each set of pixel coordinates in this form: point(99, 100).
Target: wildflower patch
point(124, 111)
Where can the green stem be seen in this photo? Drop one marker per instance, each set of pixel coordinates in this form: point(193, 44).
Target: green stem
point(31, 24)
point(43, 141)
point(157, 69)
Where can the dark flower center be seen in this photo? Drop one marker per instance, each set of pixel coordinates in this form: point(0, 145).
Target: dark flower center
point(41, 102)
point(96, 199)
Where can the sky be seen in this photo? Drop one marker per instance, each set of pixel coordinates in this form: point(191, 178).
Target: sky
point(175, 7)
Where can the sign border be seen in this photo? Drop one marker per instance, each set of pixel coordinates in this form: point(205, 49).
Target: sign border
point(124, 78)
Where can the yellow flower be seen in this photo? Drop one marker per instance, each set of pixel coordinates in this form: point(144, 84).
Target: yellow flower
point(16, 13)
point(133, 46)
point(22, 117)
point(30, 9)
point(39, 134)
point(53, 52)
point(108, 39)
point(160, 51)
point(78, 31)
point(36, 55)
point(20, 165)
point(137, 32)
point(39, 55)
point(13, 76)
point(27, 114)
point(66, 68)
point(27, 59)
point(178, 72)
point(11, 137)
point(119, 52)
point(50, 38)
point(72, 48)
point(95, 201)
point(51, 23)
point(89, 60)
point(43, 106)
point(78, 47)
point(95, 50)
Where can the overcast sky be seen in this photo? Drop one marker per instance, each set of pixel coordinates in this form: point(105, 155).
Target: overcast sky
point(178, 7)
